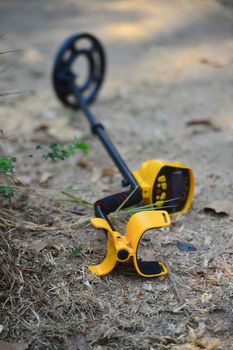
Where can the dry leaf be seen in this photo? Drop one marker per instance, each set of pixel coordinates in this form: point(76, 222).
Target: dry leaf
point(203, 122)
point(38, 245)
point(96, 175)
point(141, 294)
point(220, 207)
point(217, 63)
point(106, 171)
point(12, 346)
point(82, 163)
point(45, 177)
point(42, 127)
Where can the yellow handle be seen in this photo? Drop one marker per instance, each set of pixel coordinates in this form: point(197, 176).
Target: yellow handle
point(118, 248)
point(121, 248)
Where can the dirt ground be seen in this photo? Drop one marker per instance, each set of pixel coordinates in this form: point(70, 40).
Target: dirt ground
point(168, 94)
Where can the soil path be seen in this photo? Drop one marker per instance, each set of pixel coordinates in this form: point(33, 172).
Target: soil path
point(168, 94)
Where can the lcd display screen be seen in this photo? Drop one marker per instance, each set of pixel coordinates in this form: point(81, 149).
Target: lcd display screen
point(171, 189)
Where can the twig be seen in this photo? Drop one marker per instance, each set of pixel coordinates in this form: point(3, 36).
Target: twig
point(8, 66)
point(2, 94)
point(76, 199)
point(9, 51)
point(126, 200)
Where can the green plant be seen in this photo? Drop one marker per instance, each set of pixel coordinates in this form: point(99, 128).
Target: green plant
point(6, 191)
point(6, 167)
point(60, 151)
point(6, 164)
point(75, 252)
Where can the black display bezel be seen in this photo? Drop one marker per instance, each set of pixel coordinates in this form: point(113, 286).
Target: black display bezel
point(176, 205)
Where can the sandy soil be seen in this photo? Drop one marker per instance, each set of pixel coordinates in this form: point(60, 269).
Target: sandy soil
point(168, 94)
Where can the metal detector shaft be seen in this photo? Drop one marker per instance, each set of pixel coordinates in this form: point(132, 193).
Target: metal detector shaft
point(99, 130)
point(127, 198)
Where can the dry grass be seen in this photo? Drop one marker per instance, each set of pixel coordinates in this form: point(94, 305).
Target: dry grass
point(50, 300)
point(40, 291)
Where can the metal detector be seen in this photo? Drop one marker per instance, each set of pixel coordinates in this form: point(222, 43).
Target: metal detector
point(163, 187)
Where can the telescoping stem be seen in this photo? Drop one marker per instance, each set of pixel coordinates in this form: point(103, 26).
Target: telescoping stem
point(127, 198)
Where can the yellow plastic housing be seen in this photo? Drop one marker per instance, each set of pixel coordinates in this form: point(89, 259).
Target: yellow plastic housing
point(138, 224)
point(148, 174)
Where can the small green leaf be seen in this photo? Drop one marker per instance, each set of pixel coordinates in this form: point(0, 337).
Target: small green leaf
point(70, 150)
point(75, 252)
point(52, 145)
point(6, 192)
point(60, 151)
point(6, 165)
